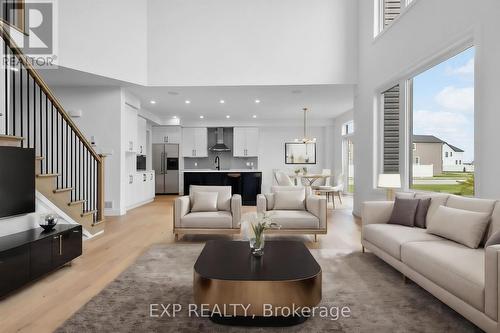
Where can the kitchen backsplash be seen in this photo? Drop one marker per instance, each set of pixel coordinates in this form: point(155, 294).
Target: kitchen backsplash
point(227, 160)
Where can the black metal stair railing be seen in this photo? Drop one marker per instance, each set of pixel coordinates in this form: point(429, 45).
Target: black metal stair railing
point(30, 110)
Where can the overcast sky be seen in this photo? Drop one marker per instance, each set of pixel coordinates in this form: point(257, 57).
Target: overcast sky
point(443, 102)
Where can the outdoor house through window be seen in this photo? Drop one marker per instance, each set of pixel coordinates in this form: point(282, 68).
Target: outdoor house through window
point(442, 123)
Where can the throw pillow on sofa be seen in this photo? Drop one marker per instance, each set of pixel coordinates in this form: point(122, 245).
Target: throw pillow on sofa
point(205, 201)
point(421, 215)
point(404, 212)
point(289, 200)
point(462, 226)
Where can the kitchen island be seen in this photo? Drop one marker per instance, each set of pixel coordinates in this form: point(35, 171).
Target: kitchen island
point(246, 182)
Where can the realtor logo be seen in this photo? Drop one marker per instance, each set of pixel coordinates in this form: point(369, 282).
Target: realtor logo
point(39, 28)
point(37, 20)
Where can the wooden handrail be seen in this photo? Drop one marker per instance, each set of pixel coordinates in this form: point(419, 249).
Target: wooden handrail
point(45, 88)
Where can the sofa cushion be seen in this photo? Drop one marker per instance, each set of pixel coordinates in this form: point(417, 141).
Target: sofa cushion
point(495, 221)
point(463, 226)
point(437, 199)
point(223, 198)
point(454, 267)
point(390, 237)
point(204, 202)
point(404, 211)
point(219, 219)
point(472, 204)
point(289, 200)
point(295, 219)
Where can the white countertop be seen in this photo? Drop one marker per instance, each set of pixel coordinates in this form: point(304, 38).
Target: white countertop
point(225, 171)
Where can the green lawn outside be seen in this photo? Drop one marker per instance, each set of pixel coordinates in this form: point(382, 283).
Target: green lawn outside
point(453, 189)
point(465, 188)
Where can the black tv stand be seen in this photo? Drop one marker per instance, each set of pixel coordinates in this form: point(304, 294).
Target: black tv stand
point(28, 255)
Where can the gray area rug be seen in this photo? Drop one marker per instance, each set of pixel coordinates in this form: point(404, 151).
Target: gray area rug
point(378, 299)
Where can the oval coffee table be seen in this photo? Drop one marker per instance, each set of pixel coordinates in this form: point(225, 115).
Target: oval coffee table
point(286, 278)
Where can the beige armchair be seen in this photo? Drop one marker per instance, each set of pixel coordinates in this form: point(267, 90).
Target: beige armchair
point(220, 217)
point(309, 218)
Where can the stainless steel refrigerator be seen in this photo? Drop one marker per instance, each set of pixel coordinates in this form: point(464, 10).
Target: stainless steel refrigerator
point(166, 166)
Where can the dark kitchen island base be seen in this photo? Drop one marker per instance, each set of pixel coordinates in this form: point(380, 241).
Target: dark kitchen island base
point(247, 184)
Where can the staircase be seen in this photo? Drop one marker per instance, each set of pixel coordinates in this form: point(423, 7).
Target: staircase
point(68, 170)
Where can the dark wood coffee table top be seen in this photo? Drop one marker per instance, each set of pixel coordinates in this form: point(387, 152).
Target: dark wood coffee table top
point(232, 260)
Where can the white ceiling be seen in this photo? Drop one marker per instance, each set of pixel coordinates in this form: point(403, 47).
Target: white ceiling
point(276, 102)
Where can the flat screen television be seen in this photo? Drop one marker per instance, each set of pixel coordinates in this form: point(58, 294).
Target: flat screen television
point(17, 181)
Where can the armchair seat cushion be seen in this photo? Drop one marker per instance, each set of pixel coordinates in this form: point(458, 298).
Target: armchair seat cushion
point(390, 237)
point(454, 267)
point(211, 220)
point(295, 219)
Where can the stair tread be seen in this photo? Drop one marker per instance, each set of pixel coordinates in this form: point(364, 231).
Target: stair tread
point(42, 175)
point(65, 189)
point(12, 137)
point(88, 212)
point(77, 202)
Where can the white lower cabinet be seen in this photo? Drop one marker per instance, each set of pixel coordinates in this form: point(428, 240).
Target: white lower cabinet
point(140, 189)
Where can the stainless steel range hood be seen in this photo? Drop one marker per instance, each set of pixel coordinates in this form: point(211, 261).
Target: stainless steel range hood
point(220, 146)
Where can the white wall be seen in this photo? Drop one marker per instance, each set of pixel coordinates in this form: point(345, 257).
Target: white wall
point(107, 38)
point(101, 107)
point(216, 42)
point(272, 151)
point(259, 42)
point(427, 29)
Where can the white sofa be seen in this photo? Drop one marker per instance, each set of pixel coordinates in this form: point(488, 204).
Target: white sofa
point(226, 220)
point(465, 279)
point(311, 220)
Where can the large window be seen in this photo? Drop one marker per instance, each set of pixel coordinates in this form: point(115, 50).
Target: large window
point(442, 127)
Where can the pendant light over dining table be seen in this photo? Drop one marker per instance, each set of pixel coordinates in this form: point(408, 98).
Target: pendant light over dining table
point(305, 138)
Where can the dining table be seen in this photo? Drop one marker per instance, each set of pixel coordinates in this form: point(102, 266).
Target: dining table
point(309, 178)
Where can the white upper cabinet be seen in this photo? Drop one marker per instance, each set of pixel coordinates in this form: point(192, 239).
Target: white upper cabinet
point(141, 136)
point(130, 125)
point(194, 142)
point(167, 134)
point(246, 142)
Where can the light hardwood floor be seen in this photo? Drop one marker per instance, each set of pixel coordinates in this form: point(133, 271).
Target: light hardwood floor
point(45, 304)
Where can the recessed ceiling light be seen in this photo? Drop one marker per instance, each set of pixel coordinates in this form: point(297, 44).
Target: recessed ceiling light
point(152, 102)
point(257, 101)
point(187, 101)
point(254, 116)
point(174, 117)
point(222, 101)
point(228, 116)
point(201, 117)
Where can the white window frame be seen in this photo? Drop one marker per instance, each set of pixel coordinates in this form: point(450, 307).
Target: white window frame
point(378, 27)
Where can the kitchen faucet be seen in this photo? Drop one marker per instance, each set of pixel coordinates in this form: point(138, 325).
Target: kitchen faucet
point(217, 162)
